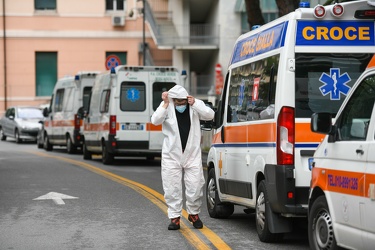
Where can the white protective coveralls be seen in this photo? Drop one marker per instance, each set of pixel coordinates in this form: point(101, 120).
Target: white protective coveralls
point(174, 162)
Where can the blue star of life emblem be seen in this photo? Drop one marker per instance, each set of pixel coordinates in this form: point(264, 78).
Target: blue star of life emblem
point(132, 94)
point(334, 84)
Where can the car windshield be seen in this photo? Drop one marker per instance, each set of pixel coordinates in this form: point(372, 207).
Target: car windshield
point(30, 113)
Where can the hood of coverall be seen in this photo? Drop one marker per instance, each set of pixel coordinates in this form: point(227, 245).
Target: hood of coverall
point(178, 92)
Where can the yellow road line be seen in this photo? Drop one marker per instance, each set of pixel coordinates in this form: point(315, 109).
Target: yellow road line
point(154, 197)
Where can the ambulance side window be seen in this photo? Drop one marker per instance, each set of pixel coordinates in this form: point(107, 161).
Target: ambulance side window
point(252, 90)
point(86, 97)
point(59, 100)
point(355, 118)
point(69, 99)
point(104, 101)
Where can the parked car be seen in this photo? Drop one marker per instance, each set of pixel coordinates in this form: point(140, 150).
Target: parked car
point(21, 123)
point(40, 135)
point(342, 194)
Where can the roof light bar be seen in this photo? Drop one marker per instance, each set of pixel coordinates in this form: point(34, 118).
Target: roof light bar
point(304, 5)
point(319, 11)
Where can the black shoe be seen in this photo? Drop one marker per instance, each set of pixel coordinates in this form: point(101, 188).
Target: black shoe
point(197, 223)
point(175, 224)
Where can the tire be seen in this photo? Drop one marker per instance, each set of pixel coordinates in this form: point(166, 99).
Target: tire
point(70, 148)
point(46, 144)
point(17, 136)
point(2, 136)
point(107, 157)
point(215, 207)
point(39, 144)
point(263, 231)
point(320, 229)
point(86, 154)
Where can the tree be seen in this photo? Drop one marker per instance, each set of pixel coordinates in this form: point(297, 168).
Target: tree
point(254, 12)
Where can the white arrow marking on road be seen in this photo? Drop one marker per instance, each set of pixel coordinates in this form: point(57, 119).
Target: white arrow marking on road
point(56, 197)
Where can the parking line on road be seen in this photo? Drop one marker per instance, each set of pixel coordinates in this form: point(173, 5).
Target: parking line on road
point(157, 199)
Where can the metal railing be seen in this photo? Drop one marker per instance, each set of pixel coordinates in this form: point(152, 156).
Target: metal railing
point(168, 34)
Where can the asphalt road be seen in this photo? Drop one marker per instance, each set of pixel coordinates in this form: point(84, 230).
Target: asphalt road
point(53, 200)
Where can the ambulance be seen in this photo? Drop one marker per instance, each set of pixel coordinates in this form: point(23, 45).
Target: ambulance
point(279, 75)
point(342, 194)
point(118, 121)
point(63, 124)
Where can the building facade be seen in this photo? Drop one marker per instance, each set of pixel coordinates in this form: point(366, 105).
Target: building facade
point(43, 40)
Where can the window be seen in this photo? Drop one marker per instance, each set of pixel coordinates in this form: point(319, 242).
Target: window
point(115, 4)
point(59, 99)
point(270, 11)
point(104, 101)
point(45, 4)
point(252, 91)
point(157, 89)
point(46, 72)
point(10, 112)
point(30, 113)
point(86, 97)
point(69, 99)
point(133, 96)
point(355, 118)
point(310, 68)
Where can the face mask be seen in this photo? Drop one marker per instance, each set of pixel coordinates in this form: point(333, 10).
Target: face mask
point(181, 108)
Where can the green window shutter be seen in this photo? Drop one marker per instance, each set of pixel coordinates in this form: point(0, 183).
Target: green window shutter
point(45, 4)
point(46, 72)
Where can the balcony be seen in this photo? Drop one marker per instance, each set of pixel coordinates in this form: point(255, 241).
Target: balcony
point(169, 36)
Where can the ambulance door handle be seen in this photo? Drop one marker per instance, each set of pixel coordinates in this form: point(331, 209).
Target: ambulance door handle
point(360, 151)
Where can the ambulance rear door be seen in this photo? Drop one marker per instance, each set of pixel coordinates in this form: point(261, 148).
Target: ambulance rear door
point(158, 82)
point(132, 110)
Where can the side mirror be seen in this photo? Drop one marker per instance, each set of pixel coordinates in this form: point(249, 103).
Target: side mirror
point(81, 113)
point(321, 123)
point(206, 125)
point(46, 112)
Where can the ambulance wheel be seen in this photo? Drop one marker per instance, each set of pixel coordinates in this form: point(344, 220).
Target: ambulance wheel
point(47, 145)
point(86, 154)
point(320, 230)
point(215, 207)
point(2, 136)
point(70, 148)
point(263, 231)
point(107, 157)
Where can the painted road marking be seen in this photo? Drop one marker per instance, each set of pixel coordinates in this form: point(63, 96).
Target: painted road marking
point(56, 197)
point(156, 198)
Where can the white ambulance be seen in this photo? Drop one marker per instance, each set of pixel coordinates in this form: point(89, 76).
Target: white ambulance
point(279, 75)
point(118, 122)
point(342, 194)
point(63, 124)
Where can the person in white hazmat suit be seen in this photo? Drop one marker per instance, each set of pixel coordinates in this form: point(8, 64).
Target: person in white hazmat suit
point(180, 115)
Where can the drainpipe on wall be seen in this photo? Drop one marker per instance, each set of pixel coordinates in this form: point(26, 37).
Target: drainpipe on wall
point(5, 60)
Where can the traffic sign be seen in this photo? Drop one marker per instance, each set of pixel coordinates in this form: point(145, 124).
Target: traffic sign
point(112, 61)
